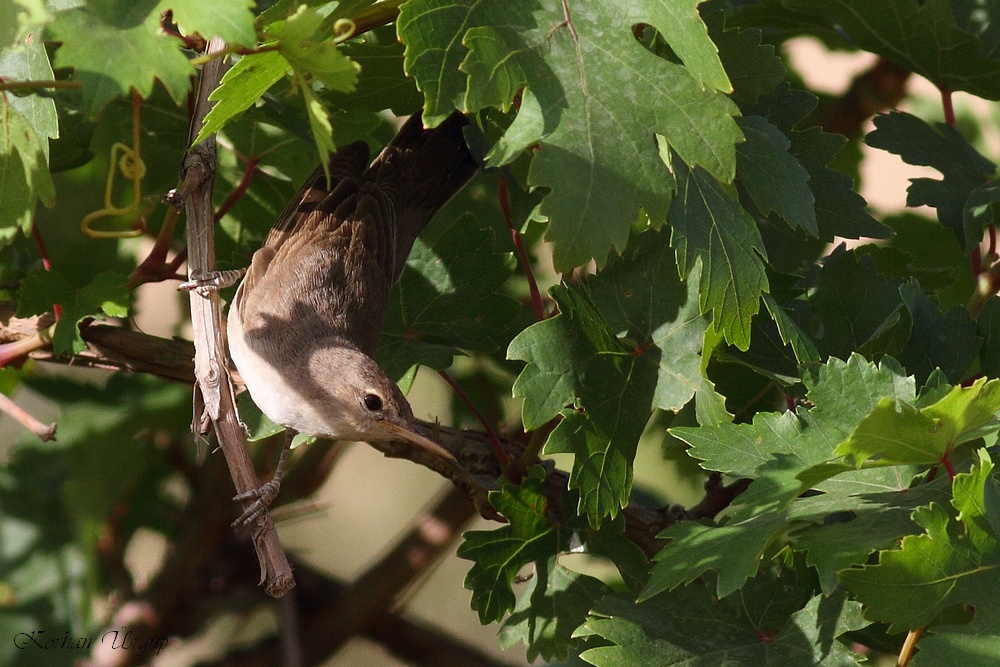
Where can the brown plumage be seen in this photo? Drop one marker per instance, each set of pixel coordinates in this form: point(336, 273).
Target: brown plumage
point(306, 318)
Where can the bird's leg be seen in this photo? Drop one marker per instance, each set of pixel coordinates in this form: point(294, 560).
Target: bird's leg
point(265, 494)
point(207, 281)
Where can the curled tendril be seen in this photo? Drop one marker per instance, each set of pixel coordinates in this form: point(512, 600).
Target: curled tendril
point(131, 167)
point(343, 29)
point(130, 164)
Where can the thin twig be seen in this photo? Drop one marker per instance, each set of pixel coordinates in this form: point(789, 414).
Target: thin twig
point(214, 395)
point(26, 419)
point(909, 646)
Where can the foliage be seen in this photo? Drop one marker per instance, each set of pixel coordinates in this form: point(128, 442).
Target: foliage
point(697, 212)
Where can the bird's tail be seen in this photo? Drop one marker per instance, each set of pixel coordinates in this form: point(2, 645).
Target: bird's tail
point(425, 168)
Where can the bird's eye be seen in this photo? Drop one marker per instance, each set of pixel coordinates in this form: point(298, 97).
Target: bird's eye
point(373, 402)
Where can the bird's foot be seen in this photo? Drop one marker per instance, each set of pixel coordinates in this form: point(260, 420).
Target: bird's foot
point(204, 282)
point(265, 494)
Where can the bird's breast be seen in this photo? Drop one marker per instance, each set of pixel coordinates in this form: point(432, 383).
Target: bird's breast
point(274, 389)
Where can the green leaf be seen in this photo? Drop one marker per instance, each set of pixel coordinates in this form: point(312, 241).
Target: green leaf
point(948, 342)
point(499, 554)
point(920, 36)
point(846, 392)
point(449, 298)
point(752, 66)
point(309, 50)
point(776, 182)
point(244, 84)
point(898, 432)
point(988, 328)
point(742, 450)
point(771, 623)
point(18, 18)
point(24, 173)
point(630, 347)
point(954, 562)
point(381, 83)
point(117, 45)
point(709, 224)
point(595, 153)
point(790, 332)
point(643, 301)
point(31, 63)
point(575, 360)
point(855, 303)
point(40, 290)
point(231, 20)
point(840, 210)
point(943, 148)
point(319, 124)
point(735, 548)
point(555, 602)
point(845, 530)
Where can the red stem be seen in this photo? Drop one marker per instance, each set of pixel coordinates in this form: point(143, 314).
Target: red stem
point(46, 263)
point(992, 252)
point(949, 108)
point(522, 255)
point(946, 462)
point(240, 188)
point(498, 450)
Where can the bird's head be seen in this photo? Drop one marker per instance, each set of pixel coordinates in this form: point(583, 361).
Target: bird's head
point(360, 402)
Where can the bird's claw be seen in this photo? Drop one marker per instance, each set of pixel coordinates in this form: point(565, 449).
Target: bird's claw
point(204, 282)
point(263, 496)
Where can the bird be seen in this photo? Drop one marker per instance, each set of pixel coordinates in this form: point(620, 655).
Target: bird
point(306, 318)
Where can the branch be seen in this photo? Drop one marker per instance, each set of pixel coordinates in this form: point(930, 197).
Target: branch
point(475, 470)
point(214, 393)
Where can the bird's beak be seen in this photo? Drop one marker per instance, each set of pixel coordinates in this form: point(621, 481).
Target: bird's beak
point(418, 436)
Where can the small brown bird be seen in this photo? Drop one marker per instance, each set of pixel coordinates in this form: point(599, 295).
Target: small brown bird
point(307, 317)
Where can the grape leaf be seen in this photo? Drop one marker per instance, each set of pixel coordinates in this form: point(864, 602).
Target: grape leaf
point(632, 346)
point(770, 623)
point(18, 18)
point(948, 341)
point(752, 67)
point(641, 299)
point(742, 450)
point(499, 554)
point(844, 392)
point(776, 182)
point(942, 147)
point(231, 20)
point(899, 432)
point(920, 36)
point(309, 50)
point(733, 549)
point(790, 332)
point(448, 298)
point(586, 129)
point(241, 87)
point(845, 530)
point(116, 46)
point(319, 125)
point(40, 290)
point(840, 210)
point(553, 605)
point(24, 173)
point(988, 328)
point(710, 224)
point(854, 302)
point(31, 63)
point(575, 360)
point(954, 562)
point(381, 84)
